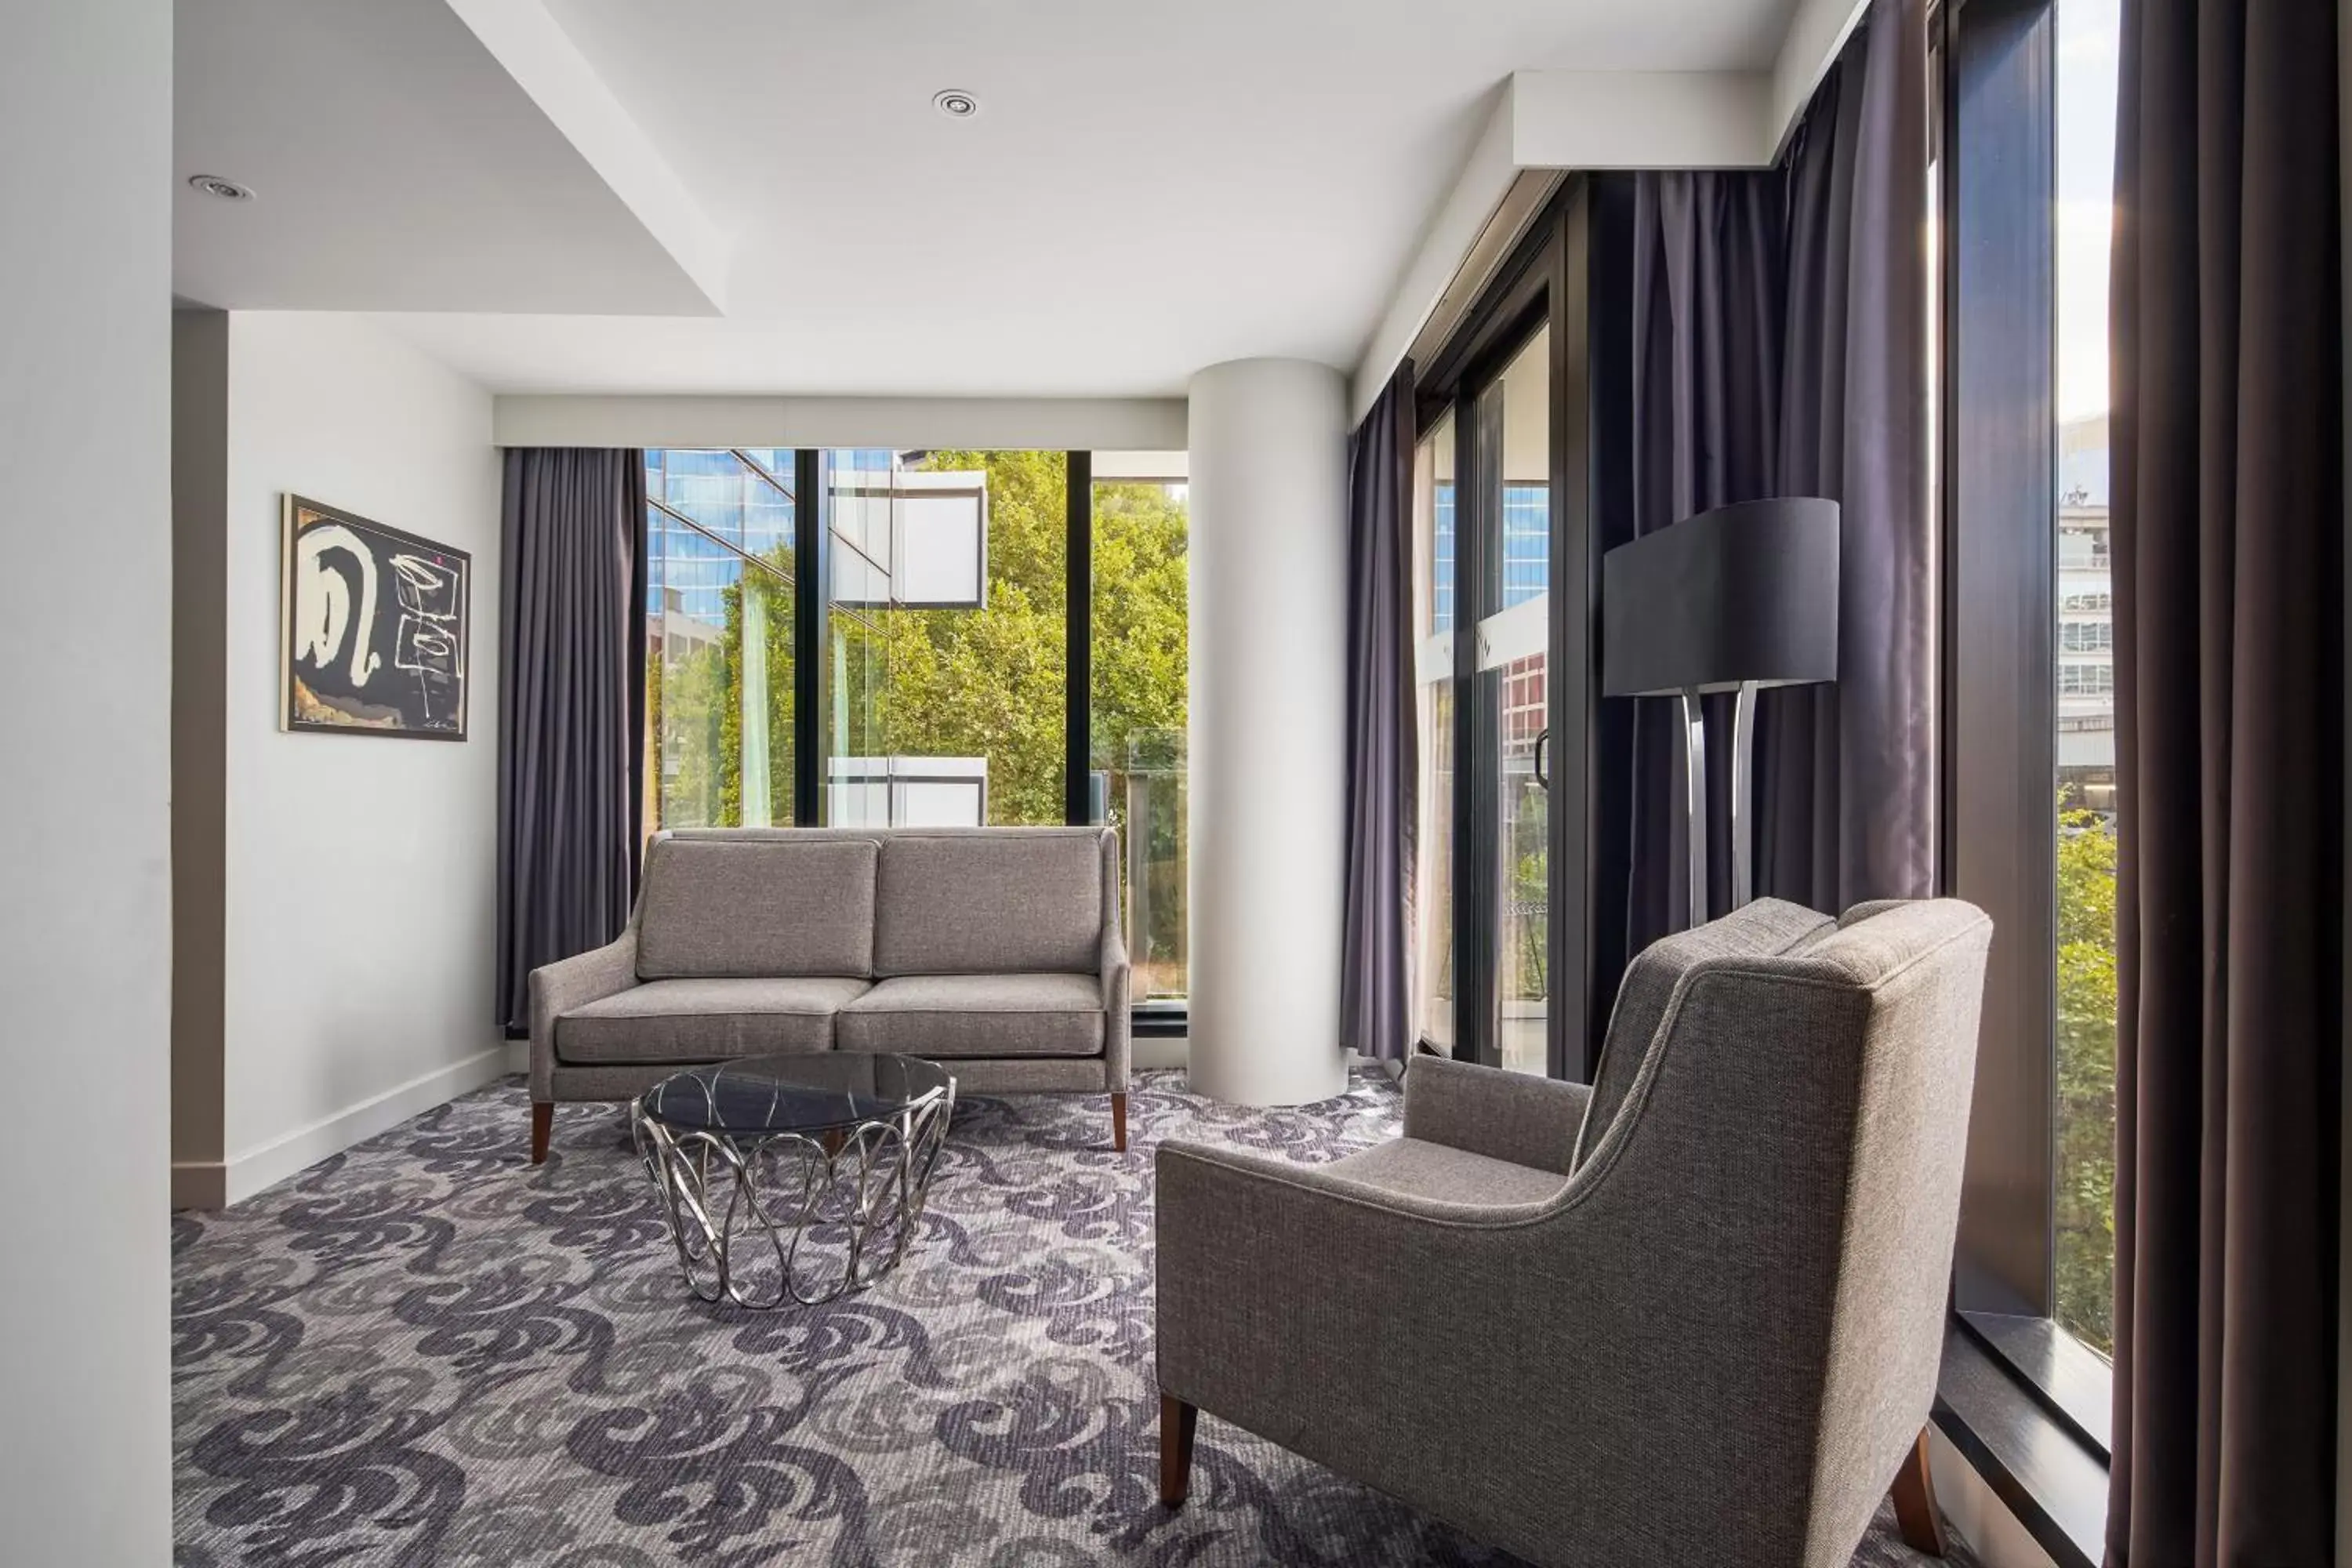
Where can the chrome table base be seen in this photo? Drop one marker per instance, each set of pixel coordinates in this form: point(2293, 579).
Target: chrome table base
point(764, 1220)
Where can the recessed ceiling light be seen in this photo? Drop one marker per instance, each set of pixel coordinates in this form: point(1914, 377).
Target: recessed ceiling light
point(956, 104)
point(226, 190)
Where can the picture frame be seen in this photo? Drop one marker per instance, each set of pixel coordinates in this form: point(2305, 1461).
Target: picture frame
point(374, 627)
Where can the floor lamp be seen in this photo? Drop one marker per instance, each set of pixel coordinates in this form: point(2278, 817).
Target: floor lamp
point(1734, 600)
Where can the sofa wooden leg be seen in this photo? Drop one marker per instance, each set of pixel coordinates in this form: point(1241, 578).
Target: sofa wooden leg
point(1914, 1502)
point(1177, 1420)
point(1118, 1122)
point(542, 1123)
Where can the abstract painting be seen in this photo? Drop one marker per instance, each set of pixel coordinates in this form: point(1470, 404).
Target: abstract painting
point(375, 627)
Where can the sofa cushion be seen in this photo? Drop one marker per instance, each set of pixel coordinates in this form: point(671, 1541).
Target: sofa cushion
point(746, 908)
point(977, 1016)
point(991, 903)
point(706, 1020)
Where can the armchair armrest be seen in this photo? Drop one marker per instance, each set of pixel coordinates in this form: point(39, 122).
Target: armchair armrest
point(559, 988)
point(1119, 1021)
point(1531, 1121)
point(1298, 1302)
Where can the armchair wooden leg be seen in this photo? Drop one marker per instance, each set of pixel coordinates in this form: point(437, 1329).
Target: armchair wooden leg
point(1118, 1122)
point(1914, 1502)
point(542, 1123)
point(1177, 1420)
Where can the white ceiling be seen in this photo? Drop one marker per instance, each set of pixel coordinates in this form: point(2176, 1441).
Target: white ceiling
point(397, 167)
point(1151, 187)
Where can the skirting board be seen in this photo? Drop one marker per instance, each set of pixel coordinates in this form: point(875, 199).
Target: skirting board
point(216, 1185)
point(1173, 1051)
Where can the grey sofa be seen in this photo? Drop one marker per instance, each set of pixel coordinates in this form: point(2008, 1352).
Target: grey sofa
point(995, 950)
point(1694, 1312)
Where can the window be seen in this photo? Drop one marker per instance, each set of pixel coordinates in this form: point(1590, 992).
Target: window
point(2028, 673)
point(2083, 1162)
point(1137, 718)
point(947, 610)
point(719, 638)
point(879, 636)
point(2085, 680)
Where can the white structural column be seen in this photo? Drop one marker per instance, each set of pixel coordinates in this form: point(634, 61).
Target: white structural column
point(86, 919)
point(1269, 637)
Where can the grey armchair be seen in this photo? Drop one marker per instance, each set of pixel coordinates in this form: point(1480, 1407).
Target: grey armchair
point(1696, 1310)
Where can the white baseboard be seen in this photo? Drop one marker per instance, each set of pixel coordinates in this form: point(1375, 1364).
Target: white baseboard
point(1175, 1051)
point(249, 1173)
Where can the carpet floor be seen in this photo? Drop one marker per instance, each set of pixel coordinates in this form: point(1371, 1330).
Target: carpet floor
point(424, 1351)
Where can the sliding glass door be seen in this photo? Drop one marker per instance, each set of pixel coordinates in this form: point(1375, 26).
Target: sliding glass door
point(1509, 480)
point(1487, 646)
point(1510, 496)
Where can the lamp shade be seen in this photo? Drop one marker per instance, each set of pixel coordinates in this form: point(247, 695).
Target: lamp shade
point(1742, 593)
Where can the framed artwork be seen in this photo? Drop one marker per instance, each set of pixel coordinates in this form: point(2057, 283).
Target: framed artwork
point(374, 636)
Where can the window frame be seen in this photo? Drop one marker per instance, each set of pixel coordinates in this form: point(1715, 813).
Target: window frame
point(1562, 273)
point(2001, 656)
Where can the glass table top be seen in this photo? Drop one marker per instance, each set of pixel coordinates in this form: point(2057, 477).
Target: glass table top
point(756, 1096)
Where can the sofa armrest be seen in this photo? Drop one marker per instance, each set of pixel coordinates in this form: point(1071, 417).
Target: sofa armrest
point(557, 988)
point(1118, 1017)
point(1531, 1121)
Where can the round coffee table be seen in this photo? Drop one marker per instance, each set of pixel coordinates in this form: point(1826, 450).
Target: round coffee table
point(792, 1179)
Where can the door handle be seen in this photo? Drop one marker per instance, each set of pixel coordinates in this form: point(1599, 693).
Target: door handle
point(1543, 773)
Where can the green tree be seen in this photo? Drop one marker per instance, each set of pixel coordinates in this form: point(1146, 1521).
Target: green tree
point(694, 704)
point(988, 682)
point(2085, 1196)
point(1139, 711)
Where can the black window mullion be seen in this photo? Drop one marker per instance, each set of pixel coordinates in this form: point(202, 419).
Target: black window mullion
point(1077, 637)
point(810, 561)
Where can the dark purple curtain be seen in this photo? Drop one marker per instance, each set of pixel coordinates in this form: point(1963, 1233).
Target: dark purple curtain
point(2228, 519)
point(1708, 283)
point(1375, 1015)
point(573, 710)
point(1781, 333)
point(1846, 773)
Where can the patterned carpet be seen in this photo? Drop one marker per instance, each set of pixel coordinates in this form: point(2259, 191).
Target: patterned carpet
point(424, 1351)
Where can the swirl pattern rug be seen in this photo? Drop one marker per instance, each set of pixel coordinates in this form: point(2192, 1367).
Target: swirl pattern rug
point(424, 1351)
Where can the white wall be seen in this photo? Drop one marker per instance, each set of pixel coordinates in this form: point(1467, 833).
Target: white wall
point(559, 420)
point(85, 371)
point(362, 894)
